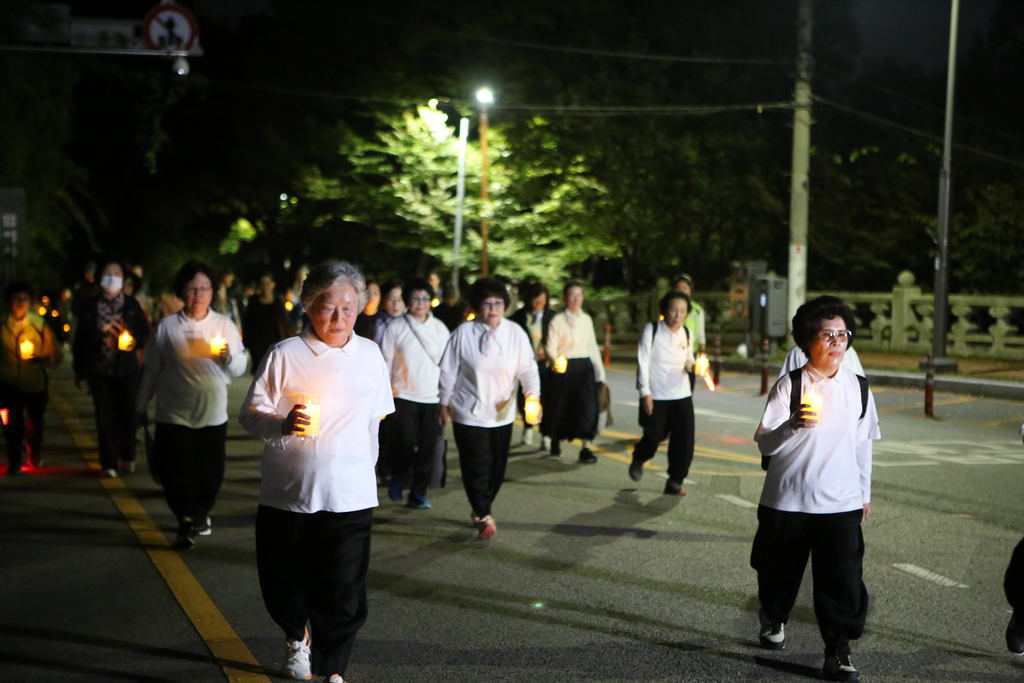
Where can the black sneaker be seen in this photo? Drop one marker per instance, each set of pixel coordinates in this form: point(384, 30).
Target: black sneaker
point(839, 668)
point(773, 633)
point(556, 448)
point(674, 488)
point(586, 457)
point(1015, 636)
point(636, 470)
point(186, 537)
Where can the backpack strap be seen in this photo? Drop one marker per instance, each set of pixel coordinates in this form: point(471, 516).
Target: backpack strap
point(863, 382)
point(794, 404)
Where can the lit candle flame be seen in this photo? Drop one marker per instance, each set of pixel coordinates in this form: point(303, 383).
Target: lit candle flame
point(813, 398)
point(471, 316)
point(124, 342)
point(532, 410)
point(28, 350)
point(561, 364)
point(42, 310)
point(435, 302)
point(217, 344)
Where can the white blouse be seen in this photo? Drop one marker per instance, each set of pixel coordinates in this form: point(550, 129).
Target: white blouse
point(334, 472)
point(573, 336)
point(824, 469)
point(661, 369)
point(412, 351)
point(479, 369)
point(190, 385)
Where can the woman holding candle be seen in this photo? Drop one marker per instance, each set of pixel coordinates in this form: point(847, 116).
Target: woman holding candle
point(478, 373)
point(188, 367)
point(817, 491)
point(266, 321)
point(29, 349)
point(664, 357)
point(412, 349)
point(108, 338)
point(535, 318)
point(318, 490)
point(571, 395)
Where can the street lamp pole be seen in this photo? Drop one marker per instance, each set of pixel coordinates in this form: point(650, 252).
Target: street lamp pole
point(460, 198)
point(940, 308)
point(485, 97)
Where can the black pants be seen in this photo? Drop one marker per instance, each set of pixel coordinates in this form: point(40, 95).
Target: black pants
point(836, 546)
point(570, 401)
point(18, 428)
point(1014, 582)
point(483, 455)
point(114, 401)
point(191, 467)
point(312, 567)
point(414, 431)
point(675, 420)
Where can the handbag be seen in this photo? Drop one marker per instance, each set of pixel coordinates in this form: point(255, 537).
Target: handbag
point(439, 465)
point(151, 464)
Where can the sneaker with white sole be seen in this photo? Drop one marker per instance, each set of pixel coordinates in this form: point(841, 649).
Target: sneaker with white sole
point(296, 660)
point(545, 443)
point(527, 439)
point(839, 668)
point(773, 633)
point(203, 527)
point(110, 473)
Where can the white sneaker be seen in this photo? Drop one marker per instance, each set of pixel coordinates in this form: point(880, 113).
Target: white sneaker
point(110, 472)
point(545, 443)
point(773, 633)
point(527, 437)
point(296, 660)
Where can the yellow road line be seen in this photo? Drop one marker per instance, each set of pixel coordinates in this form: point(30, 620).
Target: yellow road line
point(1000, 423)
point(231, 653)
point(701, 451)
point(920, 406)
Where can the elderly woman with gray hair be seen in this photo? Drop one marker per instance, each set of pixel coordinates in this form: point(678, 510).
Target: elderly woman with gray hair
point(317, 401)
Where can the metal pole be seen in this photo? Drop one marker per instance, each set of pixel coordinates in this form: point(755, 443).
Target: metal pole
point(460, 199)
point(799, 188)
point(941, 306)
point(718, 359)
point(607, 345)
point(929, 388)
point(765, 354)
point(483, 192)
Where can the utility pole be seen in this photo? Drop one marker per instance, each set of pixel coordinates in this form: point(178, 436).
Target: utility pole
point(799, 190)
point(483, 192)
point(940, 309)
point(460, 197)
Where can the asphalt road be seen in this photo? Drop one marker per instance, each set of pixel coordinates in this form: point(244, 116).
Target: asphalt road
point(590, 577)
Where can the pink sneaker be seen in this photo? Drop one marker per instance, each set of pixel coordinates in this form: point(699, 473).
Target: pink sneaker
point(486, 527)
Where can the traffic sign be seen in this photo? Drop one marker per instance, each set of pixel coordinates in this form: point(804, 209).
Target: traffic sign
point(170, 27)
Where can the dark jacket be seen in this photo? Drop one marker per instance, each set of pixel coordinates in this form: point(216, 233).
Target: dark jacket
point(545, 322)
point(89, 339)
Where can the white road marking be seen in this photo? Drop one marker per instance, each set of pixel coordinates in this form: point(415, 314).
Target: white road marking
point(923, 573)
point(717, 416)
point(914, 463)
point(740, 502)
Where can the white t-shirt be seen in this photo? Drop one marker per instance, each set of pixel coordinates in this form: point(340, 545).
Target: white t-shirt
point(412, 351)
point(334, 472)
point(824, 469)
point(191, 387)
point(573, 336)
point(662, 369)
point(479, 369)
point(796, 358)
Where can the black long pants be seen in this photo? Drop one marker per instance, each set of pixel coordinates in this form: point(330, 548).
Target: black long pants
point(18, 427)
point(191, 467)
point(114, 401)
point(836, 546)
point(571, 406)
point(1014, 582)
point(673, 419)
point(312, 567)
point(483, 455)
point(414, 432)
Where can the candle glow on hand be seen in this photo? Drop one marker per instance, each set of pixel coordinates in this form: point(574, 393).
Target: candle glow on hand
point(813, 398)
point(28, 349)
point(532, 410)
point(561, 364)
point(217, 344)
point(124, 342)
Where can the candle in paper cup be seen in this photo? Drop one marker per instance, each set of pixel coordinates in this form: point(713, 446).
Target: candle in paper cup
point(701, 366)
point(217, 344)
point(28, 349)
point(312, 411)
point(124, 342)
point(813, 398)
point(561, 364)
point(532, 410)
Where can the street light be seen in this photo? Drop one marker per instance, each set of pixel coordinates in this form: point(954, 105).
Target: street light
point(485, 97)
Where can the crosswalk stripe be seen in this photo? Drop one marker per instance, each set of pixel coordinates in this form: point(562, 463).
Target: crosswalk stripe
point(923, 573)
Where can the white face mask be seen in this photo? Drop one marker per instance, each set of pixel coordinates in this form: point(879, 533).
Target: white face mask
point(112, 283)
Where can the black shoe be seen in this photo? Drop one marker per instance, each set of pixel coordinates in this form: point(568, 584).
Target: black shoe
point(556, 448)
point(14, 470)
point(674, 488)
point(586, 457)
point(203, 527)
point(186, 537)
point(1015, 636)
point(839, 668)
point(773, 633)
point(636, 471)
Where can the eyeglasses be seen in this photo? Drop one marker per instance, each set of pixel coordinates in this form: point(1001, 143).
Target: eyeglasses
point(419, 300)
point(198, 290)
point(835, 335)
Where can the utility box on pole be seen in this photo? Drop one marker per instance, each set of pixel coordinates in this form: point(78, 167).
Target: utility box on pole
point(769, 307)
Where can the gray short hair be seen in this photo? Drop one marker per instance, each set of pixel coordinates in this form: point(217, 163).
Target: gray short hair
point(325, 275)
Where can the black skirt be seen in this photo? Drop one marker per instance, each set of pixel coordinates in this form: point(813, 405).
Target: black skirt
point(570, 402)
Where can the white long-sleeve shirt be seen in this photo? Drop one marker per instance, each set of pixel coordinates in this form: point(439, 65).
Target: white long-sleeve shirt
point(190, 385)
point(479, 369)
point(335, 471)
point(573, 336)
point(796, 358)
point(412, 352)
point(824, 469)
point(661, 369)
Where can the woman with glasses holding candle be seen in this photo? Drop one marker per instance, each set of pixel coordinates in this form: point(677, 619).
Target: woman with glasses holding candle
point(479, 368)
point(188, 367)
point(318, 489)
point(412, 349)
point(108, 338)
point(571, 398)
point(817, 491)
point(664, 357)
point(29, 348)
